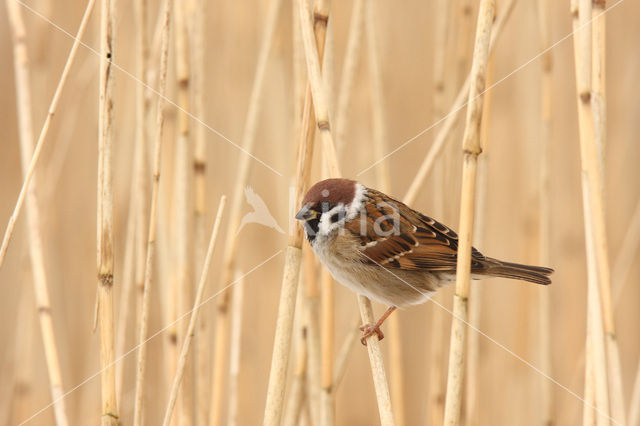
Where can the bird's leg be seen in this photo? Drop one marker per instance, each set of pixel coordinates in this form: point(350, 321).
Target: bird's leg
point(369, 330)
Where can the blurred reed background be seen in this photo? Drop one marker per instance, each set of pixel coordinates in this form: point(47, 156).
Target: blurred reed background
point(236, 76)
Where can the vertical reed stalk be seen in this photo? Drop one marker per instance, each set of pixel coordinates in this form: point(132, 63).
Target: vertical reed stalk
point(186, 344)
point(588, 415)
point(234, 353)
point(591, 133)
point(286, 309)
point(139, 197)
point(166, 278)
point(203, 340)
point(599, 109)
point(105, 239)
point(229, 257)
point(312, 51)
point(396, 371)
point(41, 287)
point(544, 230)
point(475, 291)
point(377, 366)
point(8, 233)
point(151, 241)
point(312, 316)
point(352, 54)
point(471, 150)
point(436, 339)
point(596, 361)
point(127, 278)
point(181, 199)
point(327, 328)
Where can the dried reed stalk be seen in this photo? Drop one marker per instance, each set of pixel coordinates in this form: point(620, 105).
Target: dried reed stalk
point(596, 385)
point(234, 353)
point(449, 121)
point(352, 54)
point(286, 309)
point(377, 366)
point(203, 339)
point(327, 329)
point(8, 233)
point(312, 324)
point(165, 276)
point(437, 343)
point(139, 197)
point(589, 393)
point(21, 65)
point(312, 52)
point(151, 241)
point(105, 215)
point(186, 344)
point(471, 150)
point(127, 279)
point(305, 388)
point(228, 264)
point(475, 291)
point(396, 370)
point(591, 132)
point(544, 230)
point(183, 182)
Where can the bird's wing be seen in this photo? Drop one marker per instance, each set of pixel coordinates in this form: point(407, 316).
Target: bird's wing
point(408, 240)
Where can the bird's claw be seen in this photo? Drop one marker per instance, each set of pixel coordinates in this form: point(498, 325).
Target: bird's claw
point(369, 330)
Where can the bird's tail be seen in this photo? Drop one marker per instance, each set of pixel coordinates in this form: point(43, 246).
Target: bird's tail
point(534, 274)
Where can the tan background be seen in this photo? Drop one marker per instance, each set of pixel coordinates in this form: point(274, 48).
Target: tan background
point(67, 193)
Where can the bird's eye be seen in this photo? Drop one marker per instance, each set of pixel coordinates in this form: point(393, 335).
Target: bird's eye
point(325, 206)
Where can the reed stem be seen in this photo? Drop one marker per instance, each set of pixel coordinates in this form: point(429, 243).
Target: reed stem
point(591, 140)
point(383, 179)
point(22, 68)
point(183, 183)
point(151, 239)
point(544, 230)
point(105, 239)
point(471, 150)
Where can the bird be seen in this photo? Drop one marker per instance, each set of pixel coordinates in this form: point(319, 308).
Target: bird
point(260, 213)
point(383, 249)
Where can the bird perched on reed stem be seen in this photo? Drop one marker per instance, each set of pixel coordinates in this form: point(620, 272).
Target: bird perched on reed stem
point(381, 248)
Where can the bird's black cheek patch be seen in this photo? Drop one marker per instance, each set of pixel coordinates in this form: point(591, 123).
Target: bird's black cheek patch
point(336, 217)
point(312, 227)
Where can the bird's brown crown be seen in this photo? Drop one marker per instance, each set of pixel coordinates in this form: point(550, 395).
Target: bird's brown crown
point(334, 191)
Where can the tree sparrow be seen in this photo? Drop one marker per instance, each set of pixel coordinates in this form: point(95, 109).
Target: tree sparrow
point(388, 252)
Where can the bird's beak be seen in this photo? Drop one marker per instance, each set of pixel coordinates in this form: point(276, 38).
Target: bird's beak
point(306, 213)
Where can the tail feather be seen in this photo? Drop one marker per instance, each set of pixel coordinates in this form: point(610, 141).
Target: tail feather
point(534, 274)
